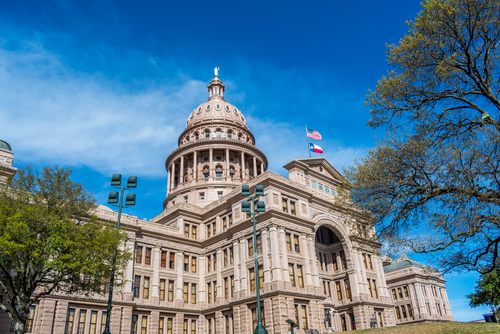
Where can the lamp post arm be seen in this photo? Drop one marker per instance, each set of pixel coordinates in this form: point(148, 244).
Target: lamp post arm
point(112, 279)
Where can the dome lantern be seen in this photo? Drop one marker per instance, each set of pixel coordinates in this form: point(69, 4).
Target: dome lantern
point(216, 87)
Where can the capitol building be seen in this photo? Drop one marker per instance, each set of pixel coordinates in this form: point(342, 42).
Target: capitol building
point(193, 269)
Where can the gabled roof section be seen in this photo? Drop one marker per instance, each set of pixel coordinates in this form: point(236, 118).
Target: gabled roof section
point(312, 166)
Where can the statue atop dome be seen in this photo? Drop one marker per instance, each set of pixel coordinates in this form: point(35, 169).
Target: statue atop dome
point(216, 71)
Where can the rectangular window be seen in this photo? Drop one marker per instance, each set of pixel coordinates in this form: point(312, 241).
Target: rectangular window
point(194, 231)
point(93, 323)
point(232, 285)
point(339, 290)
point(138, 254)
point(342, 259)
point(29, 322)
point(299, 275)
point(185, 292)
point(304, 317)
point(400, 293)
point(296, 243)
point(209, 230)
point(144, 325)
point(209, 267)
point(215, 290)
point(410, 313)
point(231, 257)
point(364, 261)
point(285, 207)
point(380, 323)
point(170, 291)
point(163, 259)
point(347, 289)
point(252, 278)
point(292, 274)
point(185, 326)
point(288, 242)
point(209, 288)
point(81, 322)
point(334, 261)
point(169, 326)
point(137, 284)
point(162, 289)
point(370, 287)
point(171, 263)
point(394, 294)
point(193, 293)
point(186, 262)
point(225, 257)
point(370, 261)
point(254, 318)
point(343, 323)
point(193, 264)
point(145, 291)
point(259, 245)
point(104, 318)
point(161, 325)
point(202, 195)
point(398, 313)
point(215, 262)
point(214, 229)
point(292, 208)
point(403, 308)
point(226, 288)
point(134, 324)
point(250, 247)
point(261, 276)
point(193, 327)
point(230, 220)
point(224, 224)
point(296, 311)
point(69, 321)
point(405, 288)
point(186, 230)
point(374, 285)
point(219, 193)
point(148, 256)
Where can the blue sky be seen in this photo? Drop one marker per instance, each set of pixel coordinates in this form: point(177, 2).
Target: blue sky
point(106, 86)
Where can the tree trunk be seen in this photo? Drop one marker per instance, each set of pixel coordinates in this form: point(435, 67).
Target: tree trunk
point(18, 326)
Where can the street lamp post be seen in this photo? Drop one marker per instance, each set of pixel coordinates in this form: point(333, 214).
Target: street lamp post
point(247, 206)
point(113, 198)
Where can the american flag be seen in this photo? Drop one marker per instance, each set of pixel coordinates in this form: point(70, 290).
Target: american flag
point(313, 134)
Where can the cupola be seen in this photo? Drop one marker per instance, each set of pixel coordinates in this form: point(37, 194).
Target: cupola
point(216, 87)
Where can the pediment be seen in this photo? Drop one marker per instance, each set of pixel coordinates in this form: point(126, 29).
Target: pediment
point(319, 167)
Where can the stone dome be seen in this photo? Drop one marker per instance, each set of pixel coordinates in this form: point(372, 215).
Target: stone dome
point(5, 146)
point(216, 108)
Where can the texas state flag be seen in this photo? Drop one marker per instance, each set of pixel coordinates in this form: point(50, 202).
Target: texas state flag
point(313, 134)
point(316, 148)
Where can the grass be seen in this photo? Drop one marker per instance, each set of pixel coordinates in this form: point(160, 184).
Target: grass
point(438, 328)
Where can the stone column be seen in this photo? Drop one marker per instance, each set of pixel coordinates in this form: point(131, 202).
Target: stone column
point(421, 301)
point(242, 165)
point(201, 281)
point(377, 263)
point(237, 264)
point(275, 253)
point(181, 168)
point(284, 255)
point(262, 167)
point(314, 263)
point(363, 273)
point(195, 166)
point(447, 306)
point(169, 180)
point(357, 265)
point(228, 177)
point(129, 273)
point(305, 250)
point(219, 288)
point(243, 268)
point(153, 322)
point(414, 303)
point(173, 175)
point(211, 157)
point(155, 292)
point(179, 281)
point(265, 256)
point(254, 166)
point(432, 302)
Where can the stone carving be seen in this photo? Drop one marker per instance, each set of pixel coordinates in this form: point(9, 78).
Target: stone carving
point(216, 71)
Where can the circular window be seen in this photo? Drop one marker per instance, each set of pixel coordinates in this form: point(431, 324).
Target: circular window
point(208, 106)
point(231, 159)
point(320, 169)
point(199, 110)
point(227, 108)
point(205, 159)
point(217, 107)
point(236, 111)
point(218, 158)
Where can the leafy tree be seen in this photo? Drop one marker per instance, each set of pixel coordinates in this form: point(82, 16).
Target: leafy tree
point(432, 184)
point(50, 242)
point(487, 291)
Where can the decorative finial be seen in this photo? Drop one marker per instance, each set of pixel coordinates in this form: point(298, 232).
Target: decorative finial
point(216, 71)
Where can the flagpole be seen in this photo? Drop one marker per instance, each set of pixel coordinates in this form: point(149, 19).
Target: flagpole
point(308, 145)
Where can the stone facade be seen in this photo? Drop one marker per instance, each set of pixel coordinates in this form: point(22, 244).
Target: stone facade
point(193, 269)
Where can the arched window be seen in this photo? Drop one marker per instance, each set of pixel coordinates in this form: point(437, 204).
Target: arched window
point(239, 136)
point(229, 134)
point(218, 173)
point(218, 133)
point(207, 133)
point(196, 136)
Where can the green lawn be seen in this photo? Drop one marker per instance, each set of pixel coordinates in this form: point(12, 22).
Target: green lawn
point(438, 328)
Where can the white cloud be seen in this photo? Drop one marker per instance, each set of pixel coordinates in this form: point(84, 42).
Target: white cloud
point(53, 114)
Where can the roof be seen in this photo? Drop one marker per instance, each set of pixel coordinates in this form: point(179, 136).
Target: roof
point(402, 264)
point(5, 146)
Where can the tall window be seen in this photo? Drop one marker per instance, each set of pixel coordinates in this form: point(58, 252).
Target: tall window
point(186, 230)
point(215, 262)
point(403, 308)
point(410, 314)
point(103, 321)
point(288, 242)
point(138, 254)
point(93, 323)
point(285, 207)
point(225, 256)
point(161, 325)
point(193, 327)
point(232, 285)
point(364, 261)
point(296, 243)
point(405, 288)
point(186, 262)
point(169, 326)
point(193, 232)
point(163, 259)
point(347, 289)
point(296, 310)
point(29, 322)
point(230, 220)
point(214, 229)
point(171, 263)
point(304, 317)
point(252, 278)
point(185, 326)
point(339, 290)
point(144, 325)
point(229, 134)
point(69, 321)
point(193, 264)
point(134, 324)
point(193, 293)
point(185, 292)
point(259, 245)
point(342, 259)
point(162, 289)
point(334, 261)
point(374, 285)
point(299, 275)
point(209, 288)
point(145, 291)
point(370, 261)
point(400, 293)
point(292, 274)
point(137, 283)
point(231, 256)
point(209, 257)
point(207, 134)
point(261, 276)
point(370, 287)
point(148, 256)
point(81, 322)
point(250, 247)
point(170, 291)
point(292, 208)
point(215, 289)
point(226, 288)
